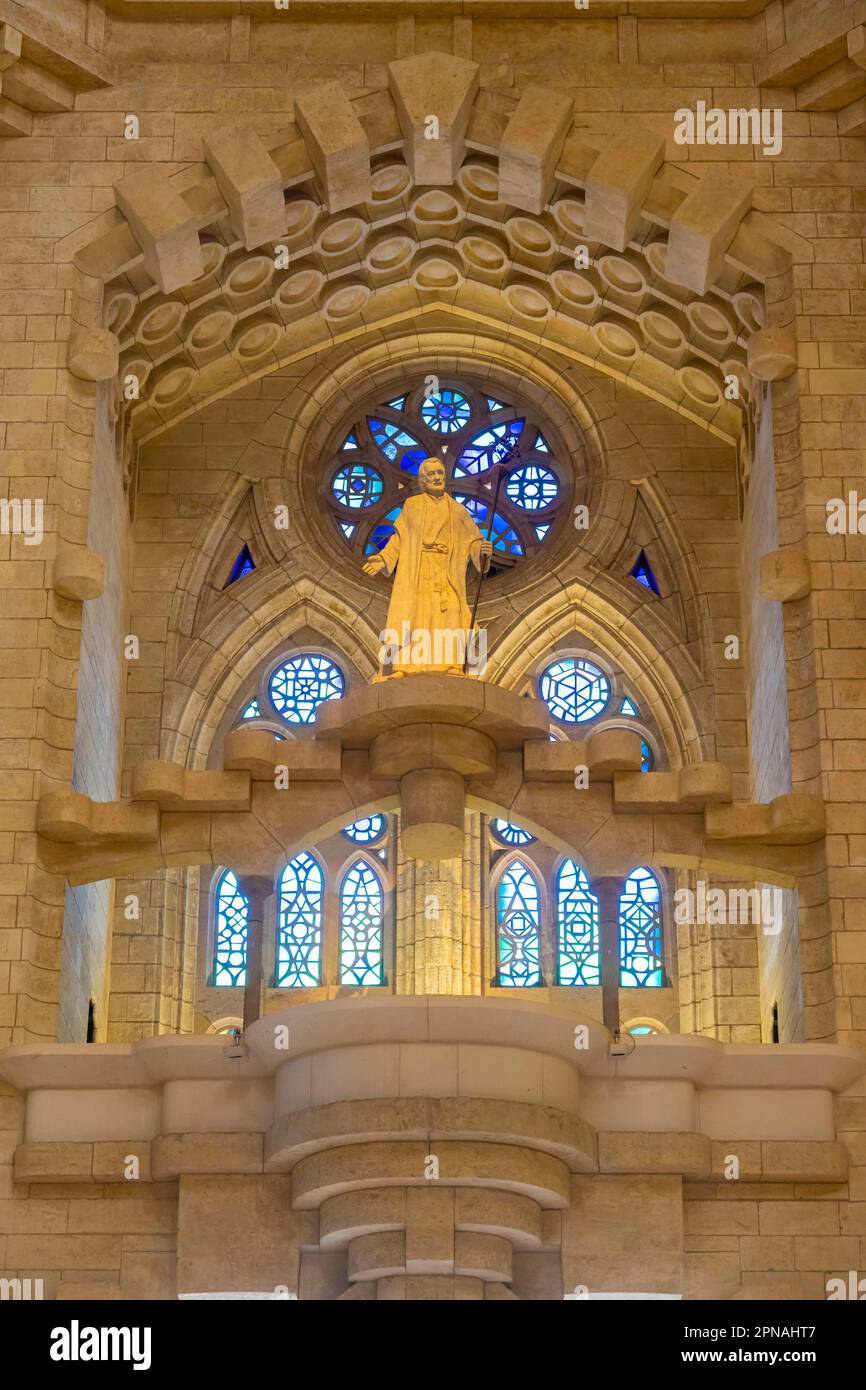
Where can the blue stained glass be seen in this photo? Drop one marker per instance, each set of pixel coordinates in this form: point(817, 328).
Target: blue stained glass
point(532, 487)
point(646, 756)
point(541, 531)
point(362, 908)
point(350, 442)
point(302, 684)
point(382, 532)
point(519, 928)
point(298, 962)
point(252, 710)
point(448, 412)
point(394, 442)
point(642, 572)
point(640, 937)
point(230, 954)
point(541, 444)
point(243, 565)
point(577, 954)
point(505, 538)
point(509, 834)
point(629, 707)
point(488, 447)
point(574, 690)
point(366, 831)
point(397, 404)
point(493, 404)
point(347, 530)
point(357, 485)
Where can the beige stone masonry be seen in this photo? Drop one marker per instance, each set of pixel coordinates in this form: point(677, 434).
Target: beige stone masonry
point(94, 354)
point(79, 573)
point(337, 143)
point(441, 86)
point(250, 183)
point(786, 576)
point(702, 228)
point(531, 146)
point(164, 226)
point(618, 183)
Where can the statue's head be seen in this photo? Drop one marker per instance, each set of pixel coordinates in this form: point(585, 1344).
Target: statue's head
point(431, 476)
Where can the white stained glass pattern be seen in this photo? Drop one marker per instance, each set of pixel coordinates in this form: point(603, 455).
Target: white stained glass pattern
point(362, 909)
point(299, 929)
point(300, 685)
point(519, 928)
point(574, 690)
point(230, 953)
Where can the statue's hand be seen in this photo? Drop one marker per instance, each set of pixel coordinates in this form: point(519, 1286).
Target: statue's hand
point(374, 565)
point(486, 551)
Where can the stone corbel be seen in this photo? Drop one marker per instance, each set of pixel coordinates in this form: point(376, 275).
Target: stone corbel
point(796, 818)
point(786, 575)
point(79, 573)
point(72, 818)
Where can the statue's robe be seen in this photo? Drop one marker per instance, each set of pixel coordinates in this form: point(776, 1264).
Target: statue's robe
point(434, 541)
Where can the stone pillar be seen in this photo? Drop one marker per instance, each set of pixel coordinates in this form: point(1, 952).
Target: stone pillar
point(256, 889)
point(439, 919)
point(608, 891)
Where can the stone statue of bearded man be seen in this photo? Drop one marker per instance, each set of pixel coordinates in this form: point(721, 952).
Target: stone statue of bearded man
point(428, 616)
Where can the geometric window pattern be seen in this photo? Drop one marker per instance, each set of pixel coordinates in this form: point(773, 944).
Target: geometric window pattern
point(361, 915)
point(298, 962)
point(373, 472)
point(509, 834)
point(574, 690)
point(366, 831)
point(230, 954)
point(578, 952)
point(519, 927)
point(302, 684)
point(640, 937)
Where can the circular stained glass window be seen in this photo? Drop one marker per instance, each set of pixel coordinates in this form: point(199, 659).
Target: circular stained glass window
point(493, 447)
point(574, 690)
point(532, 488)
point(298, 687)
point(447, 412)
point(367, 830)
point(357, 485)
point(508, 834)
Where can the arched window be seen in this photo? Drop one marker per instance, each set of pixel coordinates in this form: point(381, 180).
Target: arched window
point(640, 933)
point(577, 941)
point(362, 911)
point(507, 833)
point(230, 943)
point(298, 962)
point(518, 923)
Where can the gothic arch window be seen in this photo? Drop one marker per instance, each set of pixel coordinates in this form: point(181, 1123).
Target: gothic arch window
point(578, 958)
point(585, 693)
point(230, 943)
point(301, 894)
point(362, 913)
point(640, 933)
point(369, 474)
point(518, 927)
point(505, 832)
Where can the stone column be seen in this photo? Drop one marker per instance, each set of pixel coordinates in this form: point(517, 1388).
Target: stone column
point(608, 891)
point(256, 889)
point(439, 920)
